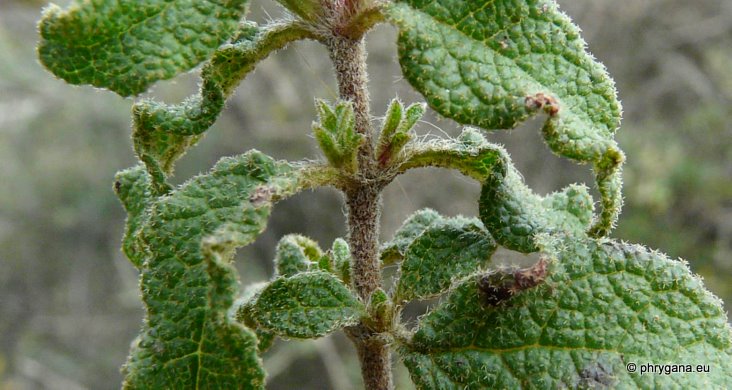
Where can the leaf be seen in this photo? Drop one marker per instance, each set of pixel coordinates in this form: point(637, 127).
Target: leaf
point(134, 189)
point(296, 253)
point(411, 229)
point(470, 154)
point(306, 305)
point(511, 212)
point(396, 130)
point(188, 284)
point(265, 338)
point(126, 45)
point(342, 260)
point(448, 249)
point(515, 215)
point(309, 10)
point(602, 305)
point(495, 63)
point(163, 133)
point(336, 134)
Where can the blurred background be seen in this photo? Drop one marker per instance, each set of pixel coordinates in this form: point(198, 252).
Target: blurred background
point(69, 304)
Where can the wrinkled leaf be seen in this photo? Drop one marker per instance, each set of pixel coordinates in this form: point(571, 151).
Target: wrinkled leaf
point(395, 249)
point(306, 305)
point(515, 215)
point(493, 64)
point(134, 189)
point(296, 253)
point(448, 249)
point(511, 212)
point(265, 338)
point(163, 132)
point(188, 284)
point(127, 45)
point(602, 305)
point(470, 153)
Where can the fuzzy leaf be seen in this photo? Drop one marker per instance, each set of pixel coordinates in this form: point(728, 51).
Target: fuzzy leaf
point(493, 64)
point(306, 305)
point(515, 215)
point(163, 132)
point(336, 134)
point(447, 250)
point(470, 154)
point(417, 223)
point(396, 130)
point(188, 284)
point(296, 253)
point(309, 10)
point(134, 189)
point(511, 212)
point(412, 115)
point(602, 305)
point(265, 338)
point(127, 45)
point(393, 118)
point(342, 260)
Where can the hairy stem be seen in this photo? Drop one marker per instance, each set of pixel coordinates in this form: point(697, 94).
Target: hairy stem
point(363, 201)
point(349, 60)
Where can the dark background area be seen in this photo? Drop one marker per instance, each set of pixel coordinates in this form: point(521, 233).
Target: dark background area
point(69, 304)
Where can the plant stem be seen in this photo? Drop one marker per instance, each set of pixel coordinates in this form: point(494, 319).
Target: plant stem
point(363, 201)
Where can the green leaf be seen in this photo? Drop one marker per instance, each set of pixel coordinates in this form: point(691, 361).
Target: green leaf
point(306, 305)
point(309, 10)
point(515, 215)
point(265, 338)
point(163, 133)
point(599, 306)
point(126, 45)
point(396, 130)
point(134, 189)
point(412, 227)
point(342, 260)
point(470, 154)
point(511, 212)
point(495, 63)
point(393, 118)
point(336, 134)
point(448, 249)
point(411, 116)
point(188, 284)
point(296, 253)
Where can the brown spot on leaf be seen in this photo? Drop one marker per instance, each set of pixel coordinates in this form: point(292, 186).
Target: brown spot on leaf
point(501, 285)
point(117, 186)
point(530, 277)
point(548, 103)
point(492, 294)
